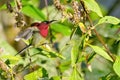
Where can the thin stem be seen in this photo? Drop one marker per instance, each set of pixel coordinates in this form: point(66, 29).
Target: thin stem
point(46, 4)
point(103, 43)
point(30, 60)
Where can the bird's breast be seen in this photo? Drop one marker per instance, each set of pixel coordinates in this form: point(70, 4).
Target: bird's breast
point(44, 32)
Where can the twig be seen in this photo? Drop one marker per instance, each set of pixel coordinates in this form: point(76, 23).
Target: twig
point(30, 61)
point(46, 4)
point(97, 34)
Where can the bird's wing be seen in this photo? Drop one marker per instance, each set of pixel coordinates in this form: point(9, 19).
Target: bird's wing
point(25, 34)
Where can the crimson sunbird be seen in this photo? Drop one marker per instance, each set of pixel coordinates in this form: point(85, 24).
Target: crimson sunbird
point(42, 29)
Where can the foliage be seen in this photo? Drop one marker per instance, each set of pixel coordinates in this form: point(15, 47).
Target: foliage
point(80, 48)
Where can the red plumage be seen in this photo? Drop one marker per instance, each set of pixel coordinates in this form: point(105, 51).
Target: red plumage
point(43, 27)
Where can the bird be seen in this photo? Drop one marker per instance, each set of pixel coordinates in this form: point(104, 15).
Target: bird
point(37, 29)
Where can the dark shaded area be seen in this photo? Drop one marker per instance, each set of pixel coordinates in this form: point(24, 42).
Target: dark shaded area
point(112, 6)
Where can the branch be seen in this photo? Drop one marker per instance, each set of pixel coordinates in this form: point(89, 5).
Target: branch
point(97, 34)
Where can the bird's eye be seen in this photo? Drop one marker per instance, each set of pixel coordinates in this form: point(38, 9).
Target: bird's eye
point(37, 24)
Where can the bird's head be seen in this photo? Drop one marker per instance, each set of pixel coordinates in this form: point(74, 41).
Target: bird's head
point(43, 27)
point(36, 24)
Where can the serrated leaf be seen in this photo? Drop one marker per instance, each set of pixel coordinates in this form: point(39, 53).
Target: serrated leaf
point(93, 6)
point(33, 12)
point(116, 66)
point(108, 19)
point(101, 52)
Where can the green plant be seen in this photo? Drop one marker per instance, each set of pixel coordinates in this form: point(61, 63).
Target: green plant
point(80, 48)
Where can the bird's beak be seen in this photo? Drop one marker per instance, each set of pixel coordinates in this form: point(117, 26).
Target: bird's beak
point(52, 21)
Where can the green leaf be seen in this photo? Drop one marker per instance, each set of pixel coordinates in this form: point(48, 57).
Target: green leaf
point(74, 54)
point(33, 12)
point(41, 73)
point(53, 54)
point(108, 19)
point(116, 66)
point(73, 32)
point(13, 59)
point(57, 27)
point(34, 2)
point(55, 78)
point(101, 52)
point(81, 59)
point(64, 66)
point(90, 57)
point(45, 52)
point(93, 6)
point(78, 45)
point(75, 75)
